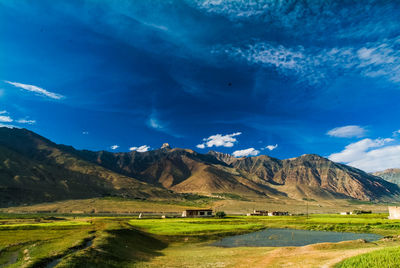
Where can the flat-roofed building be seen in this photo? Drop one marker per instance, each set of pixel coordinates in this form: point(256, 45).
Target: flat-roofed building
point(194, 213)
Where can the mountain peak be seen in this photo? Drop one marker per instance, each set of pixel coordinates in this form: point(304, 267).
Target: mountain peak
point(165, 146)
point(226, 158)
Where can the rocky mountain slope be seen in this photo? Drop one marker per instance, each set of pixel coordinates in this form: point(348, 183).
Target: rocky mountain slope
point(34, 169)
point(392, 175)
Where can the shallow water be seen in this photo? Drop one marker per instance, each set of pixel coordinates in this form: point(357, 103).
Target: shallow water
point(290, 237)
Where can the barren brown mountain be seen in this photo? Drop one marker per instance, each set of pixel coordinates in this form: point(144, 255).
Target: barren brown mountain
point(34, 169)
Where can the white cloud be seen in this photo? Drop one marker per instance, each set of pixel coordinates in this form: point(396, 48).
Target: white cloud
point(272, 147)
point(347, 132)
point(370, 155)
point(201, 146)
point(397, 132)
point(219, 140)
point(36, 89)
point(246, 152)
point(379, 159)
point(3, 112)
point(140, 149)
point(114, 147)
point(356, 150)
point(8, 126)
point(85, 132)
point(5, 119)
point(26, 121)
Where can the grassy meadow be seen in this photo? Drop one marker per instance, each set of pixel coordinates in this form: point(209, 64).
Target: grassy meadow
point(34, 240)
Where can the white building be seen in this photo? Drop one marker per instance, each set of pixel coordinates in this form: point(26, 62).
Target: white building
point(394, 213)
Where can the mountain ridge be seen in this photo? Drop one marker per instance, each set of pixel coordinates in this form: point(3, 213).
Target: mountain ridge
point(391, 175)
point(53, 172)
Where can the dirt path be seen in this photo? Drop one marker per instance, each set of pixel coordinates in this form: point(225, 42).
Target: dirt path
point(308, 256)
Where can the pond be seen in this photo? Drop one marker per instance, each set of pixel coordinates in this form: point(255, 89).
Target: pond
point(290, 237)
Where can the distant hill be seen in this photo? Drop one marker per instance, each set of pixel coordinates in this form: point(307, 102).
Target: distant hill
point(34, 169)
point(392, 175)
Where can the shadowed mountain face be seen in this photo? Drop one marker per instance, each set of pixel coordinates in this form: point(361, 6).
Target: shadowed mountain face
point(392, 175)
point(34, 169)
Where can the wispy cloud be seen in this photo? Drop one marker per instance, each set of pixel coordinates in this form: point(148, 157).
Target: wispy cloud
point(114, 147)
point(370, 155)
point(246, 152)
point(236, 9)
point(8, 126)
point(36, 89)
point(140, 149)
point(155, 123)
point(85, 132)
point(5, 119)
point(271, 147)
point(26, 121)
point(317, 65)
point(347, 132)
point(219, 140)
point(374, 60)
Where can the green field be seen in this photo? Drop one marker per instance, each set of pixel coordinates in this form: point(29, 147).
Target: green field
point(36, 240)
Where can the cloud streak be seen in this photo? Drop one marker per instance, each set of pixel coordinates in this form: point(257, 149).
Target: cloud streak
point(26, 121)
point(38, 90)
point(347, 132)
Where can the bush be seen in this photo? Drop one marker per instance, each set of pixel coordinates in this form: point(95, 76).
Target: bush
point(220, 214)
point(358, 212)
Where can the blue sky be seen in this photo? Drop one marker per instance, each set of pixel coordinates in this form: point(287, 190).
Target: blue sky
point(281, 78)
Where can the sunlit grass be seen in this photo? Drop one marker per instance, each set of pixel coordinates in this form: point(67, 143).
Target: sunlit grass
point(384, 258)
point(194, 226)
point(126, 242)
point(43, 225)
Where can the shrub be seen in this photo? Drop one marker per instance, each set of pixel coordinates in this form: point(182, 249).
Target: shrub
point(220, 214)
point(358, 212)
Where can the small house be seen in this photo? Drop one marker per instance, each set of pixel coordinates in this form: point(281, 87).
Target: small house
point(394, 213)
point(258, 213)
point(346, 213)
point(195, 213)
point(278, 213)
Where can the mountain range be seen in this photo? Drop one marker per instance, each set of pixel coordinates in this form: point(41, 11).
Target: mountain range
point(34, 169)
point(392, 175)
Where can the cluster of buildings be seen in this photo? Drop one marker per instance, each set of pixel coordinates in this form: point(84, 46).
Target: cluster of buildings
point(394, 213)
point(200, 213)
point(268, 213)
